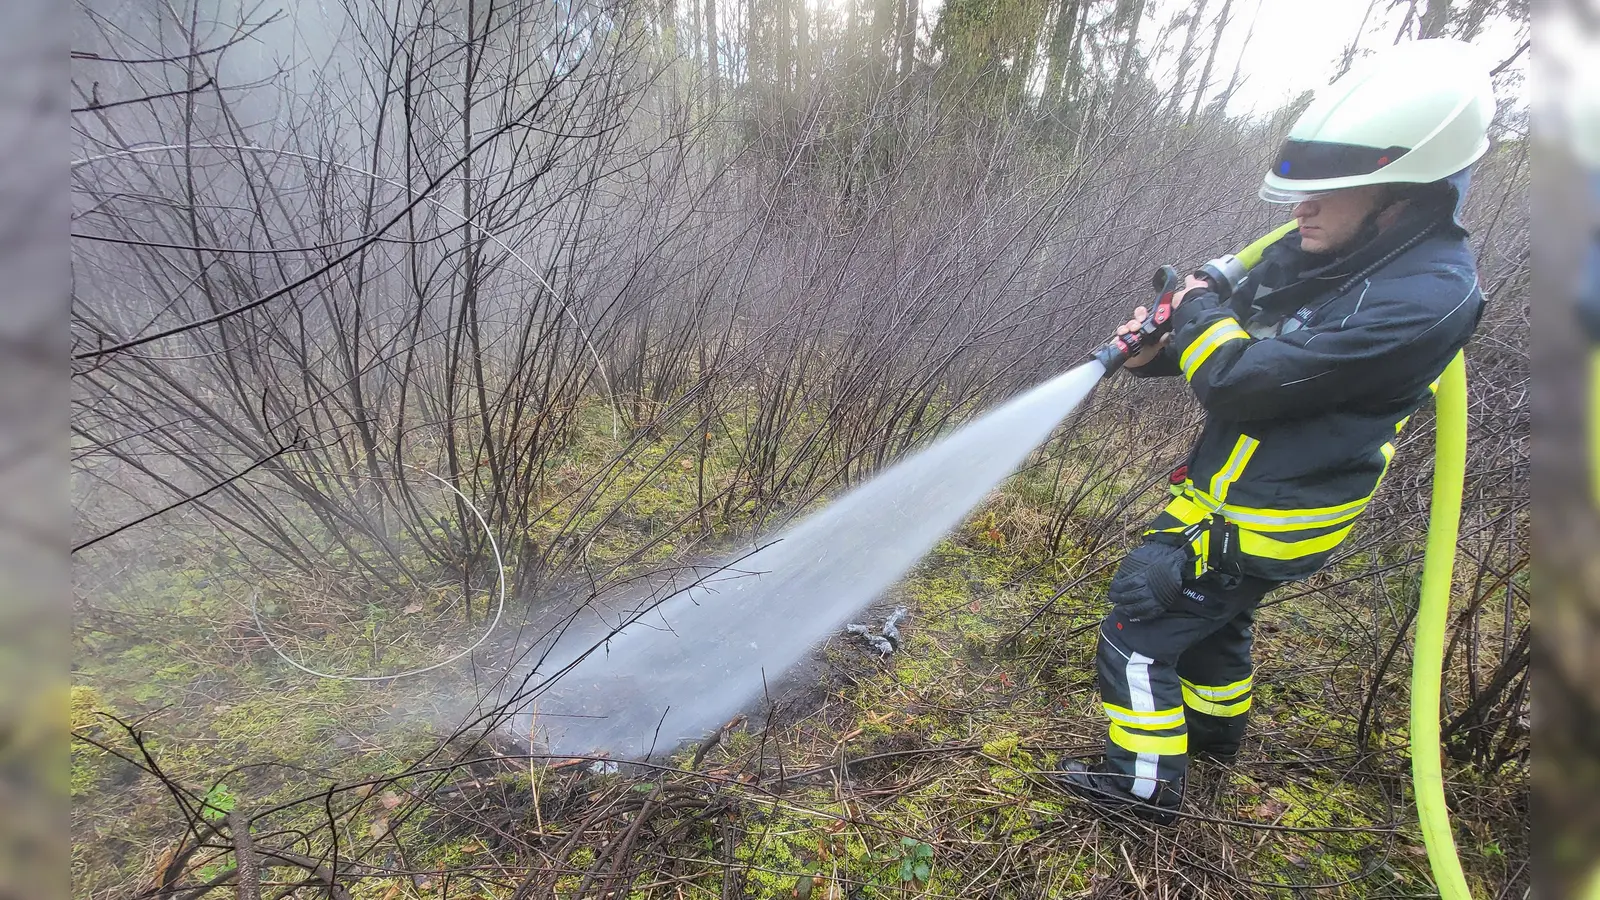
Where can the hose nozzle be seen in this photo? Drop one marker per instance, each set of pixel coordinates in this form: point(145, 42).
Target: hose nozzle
point(1224, 274)
point(1123, 347)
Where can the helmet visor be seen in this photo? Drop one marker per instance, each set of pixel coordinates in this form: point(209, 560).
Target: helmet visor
point(1279, 195)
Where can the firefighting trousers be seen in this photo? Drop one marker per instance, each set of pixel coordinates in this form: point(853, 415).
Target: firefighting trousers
point(1178, 682)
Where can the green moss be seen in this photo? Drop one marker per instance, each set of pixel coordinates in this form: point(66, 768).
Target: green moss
point(947, 685)
point(776, 852)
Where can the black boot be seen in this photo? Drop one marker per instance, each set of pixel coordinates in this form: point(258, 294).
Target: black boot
point(1109, 791)
point(1222, 754)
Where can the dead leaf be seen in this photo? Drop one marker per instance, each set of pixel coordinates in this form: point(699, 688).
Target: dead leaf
point(686, 464)
point(380, 827)
point(1270, 809)
point(413, 609)
point(389, 799)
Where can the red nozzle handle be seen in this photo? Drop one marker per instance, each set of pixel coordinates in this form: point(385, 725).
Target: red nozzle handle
point(1158, 322)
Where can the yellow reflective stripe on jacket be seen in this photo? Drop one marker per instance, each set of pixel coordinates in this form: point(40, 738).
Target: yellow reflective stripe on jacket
point(1158, 719)
point(1221, 331)
point(1261, 519)
point(1161, 745)
point(1194, 505)
point(1186, 509)
point(1243, 449)
point(1224, 710)
point(1218, 692)
point(1253, 544)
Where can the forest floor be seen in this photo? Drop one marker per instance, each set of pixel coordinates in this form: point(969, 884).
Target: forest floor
point(917, 774)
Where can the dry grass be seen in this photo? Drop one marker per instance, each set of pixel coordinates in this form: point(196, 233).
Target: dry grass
point(943, 746)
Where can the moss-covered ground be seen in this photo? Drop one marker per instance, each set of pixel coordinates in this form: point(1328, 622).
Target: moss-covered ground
point(920, 774)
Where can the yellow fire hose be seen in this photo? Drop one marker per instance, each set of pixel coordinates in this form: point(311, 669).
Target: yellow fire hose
point(1594, 475)
point(1251, 255)
point(1427, 665)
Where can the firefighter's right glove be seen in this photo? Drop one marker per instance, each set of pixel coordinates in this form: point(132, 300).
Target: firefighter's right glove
point(1149, 581)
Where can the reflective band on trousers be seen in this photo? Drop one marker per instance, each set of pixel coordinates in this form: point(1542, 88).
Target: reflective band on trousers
point(1213, 708)
point(1165, 718)
point(1225, 700)
point(1161, 745)
point(1219, 692)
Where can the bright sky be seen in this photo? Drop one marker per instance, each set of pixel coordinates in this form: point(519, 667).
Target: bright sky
point(1297, 44)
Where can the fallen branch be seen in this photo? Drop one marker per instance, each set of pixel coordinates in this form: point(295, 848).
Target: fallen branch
point(710, 743)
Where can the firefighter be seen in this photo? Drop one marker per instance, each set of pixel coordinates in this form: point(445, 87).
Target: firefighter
point(1307, 374)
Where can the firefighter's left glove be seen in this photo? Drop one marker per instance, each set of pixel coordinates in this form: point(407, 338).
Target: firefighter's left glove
point(1149, 581)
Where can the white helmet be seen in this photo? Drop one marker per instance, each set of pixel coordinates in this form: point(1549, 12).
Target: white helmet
point(1413, 114)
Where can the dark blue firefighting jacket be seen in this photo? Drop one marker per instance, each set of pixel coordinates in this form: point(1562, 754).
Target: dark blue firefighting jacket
point(1307, 375)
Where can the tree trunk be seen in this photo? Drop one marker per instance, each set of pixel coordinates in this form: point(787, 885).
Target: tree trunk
point(1470, 23)
point(1434, 19)
point(752, 43)
point(1349, 56)
point(1074, 58)
point(782, 49)
point(908, 47)
point(1405, 24)
point(1186, 55)
point(1238, 63)
point(713, 61)
point(1211, 60)
point(802, 43)
point(1059, 56)
point(1135, 15)
point(882, 45)
point(695, 29)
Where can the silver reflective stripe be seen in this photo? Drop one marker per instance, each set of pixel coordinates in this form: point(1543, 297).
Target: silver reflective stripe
point(1142, 700)
point(1220, 332)
point(1147, 723)
point(1223, 692)
point(1242, 451)
point(1328, 518)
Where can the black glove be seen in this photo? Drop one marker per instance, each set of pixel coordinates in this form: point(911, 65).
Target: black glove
point(1149, 581)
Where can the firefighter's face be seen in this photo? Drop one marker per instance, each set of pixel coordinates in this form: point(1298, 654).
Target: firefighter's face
point(1330, 222)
